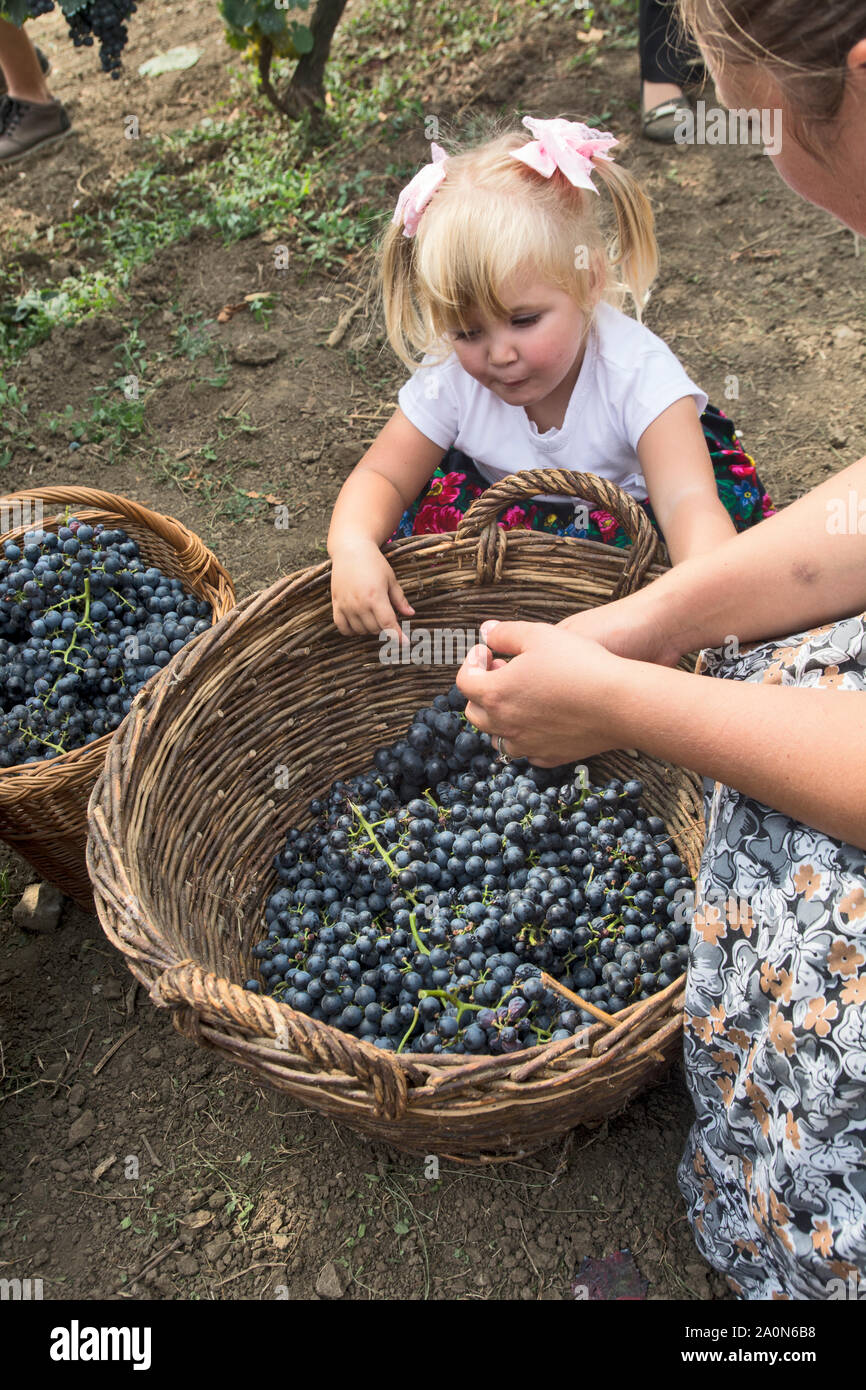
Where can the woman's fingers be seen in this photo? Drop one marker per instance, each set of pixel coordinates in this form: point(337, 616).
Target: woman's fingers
point(510, 638)
point(473, 679)
point(476, 716)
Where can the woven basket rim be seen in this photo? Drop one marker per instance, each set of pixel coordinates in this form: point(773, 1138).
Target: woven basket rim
point(665, 1002)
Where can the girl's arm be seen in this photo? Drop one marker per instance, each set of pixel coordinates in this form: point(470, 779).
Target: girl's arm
point(365, 593)
point(804, 566)
point(681, 483)
point(385, 482)
point(562, 698)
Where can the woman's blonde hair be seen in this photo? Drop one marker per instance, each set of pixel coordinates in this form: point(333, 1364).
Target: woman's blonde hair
point(492, 219)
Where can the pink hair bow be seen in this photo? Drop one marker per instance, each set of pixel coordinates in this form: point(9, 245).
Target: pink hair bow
point(566, 145)
point(417, 193)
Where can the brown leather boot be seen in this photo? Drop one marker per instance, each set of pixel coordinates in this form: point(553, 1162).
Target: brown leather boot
point(28, 126)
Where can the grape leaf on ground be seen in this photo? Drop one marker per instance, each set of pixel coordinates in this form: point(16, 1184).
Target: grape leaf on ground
point(174, 60)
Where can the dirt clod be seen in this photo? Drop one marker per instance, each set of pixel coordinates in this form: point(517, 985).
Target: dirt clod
point(39, 909)
point(81, 1129)
point(217, 1247)
point(256, 352)
point(844, 336)
point(332, 1282)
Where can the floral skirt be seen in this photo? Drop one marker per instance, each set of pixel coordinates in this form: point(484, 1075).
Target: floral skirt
point(457, 483)
point(774, 1171)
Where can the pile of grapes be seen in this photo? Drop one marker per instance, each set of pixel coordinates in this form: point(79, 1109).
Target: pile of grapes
point(424, 922)
point(84, 623)
point(89, 20)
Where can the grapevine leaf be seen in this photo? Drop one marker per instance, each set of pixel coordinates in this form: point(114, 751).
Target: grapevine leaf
point(271, 22)
point(73, 6)
point(239, 14)
point(302, 38)
point(16, 11)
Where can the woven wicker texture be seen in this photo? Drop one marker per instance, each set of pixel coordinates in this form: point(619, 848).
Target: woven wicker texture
point(215, 762)
point(43, 805)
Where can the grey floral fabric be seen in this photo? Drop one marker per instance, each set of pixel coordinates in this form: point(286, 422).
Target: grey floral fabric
point(774, 1172)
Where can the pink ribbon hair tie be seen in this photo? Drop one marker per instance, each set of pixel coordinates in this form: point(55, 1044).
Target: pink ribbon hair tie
point(417, 194)
point(566, 145)
point(558, 144)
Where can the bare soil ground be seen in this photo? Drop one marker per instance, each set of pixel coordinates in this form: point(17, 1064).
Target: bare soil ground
point(241, 1192)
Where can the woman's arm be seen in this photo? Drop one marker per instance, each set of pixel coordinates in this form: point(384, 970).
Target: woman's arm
point(562, 698)
point(802, 567)
point(676, 464)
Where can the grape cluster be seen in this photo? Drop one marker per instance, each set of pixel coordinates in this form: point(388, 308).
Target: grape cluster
point(104, 20)
point(40, 7)
point(84, 623)
point(423, 920)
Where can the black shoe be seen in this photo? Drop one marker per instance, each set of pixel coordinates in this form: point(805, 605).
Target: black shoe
point(44, 63)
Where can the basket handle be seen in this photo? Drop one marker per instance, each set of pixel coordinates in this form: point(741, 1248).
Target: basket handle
point(199, 562)
point(197, 995)
point(480, 522)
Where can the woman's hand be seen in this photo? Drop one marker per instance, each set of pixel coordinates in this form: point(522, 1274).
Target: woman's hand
point(553, 703)
point(564, 698)
point(632, 627)
point(365, 592)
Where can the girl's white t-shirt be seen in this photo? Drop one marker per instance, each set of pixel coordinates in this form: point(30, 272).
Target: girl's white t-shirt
point(627, 378)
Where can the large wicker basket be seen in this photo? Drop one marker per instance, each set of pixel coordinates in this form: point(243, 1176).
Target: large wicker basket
point(43, 805)
point(188, 814)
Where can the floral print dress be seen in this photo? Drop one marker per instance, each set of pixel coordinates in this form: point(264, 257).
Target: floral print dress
point(774, 1172)
point(457, 483)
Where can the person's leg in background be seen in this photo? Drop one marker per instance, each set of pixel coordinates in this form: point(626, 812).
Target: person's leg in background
point(668, 61)
point(29, 116)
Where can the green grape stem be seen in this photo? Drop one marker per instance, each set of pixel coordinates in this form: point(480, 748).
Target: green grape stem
point(409, 1030)
point(118, 595)
point(425, 950)
point(372, 838)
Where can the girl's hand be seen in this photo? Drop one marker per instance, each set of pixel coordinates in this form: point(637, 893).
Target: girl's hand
point(553, 703)
point(365, 592)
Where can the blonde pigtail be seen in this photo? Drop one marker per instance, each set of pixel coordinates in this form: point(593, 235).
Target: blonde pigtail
point(405, 325)
point(636, 251)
